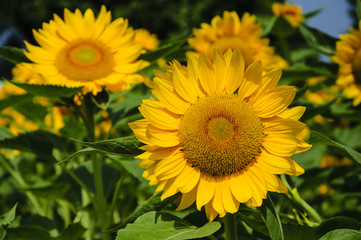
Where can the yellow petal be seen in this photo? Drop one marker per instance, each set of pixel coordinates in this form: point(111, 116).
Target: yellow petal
point(240, 188)
point(230, 203)
point(187, 180)
point(164, 92)
point(294, 113)
point(206, 190)
point(160, 117)
point(206, 74)
point(283, 126)
point(220, 68)
point(162, 138)
point(280, 144)
point(268, 83)
point(170, 167)
point(184, 86)
point(192, 69)
point(235, 72)
point(217, 203)
point(187, 199)
point(253, 77)
point(274, 102)
point(169, 189)
point(210, 212)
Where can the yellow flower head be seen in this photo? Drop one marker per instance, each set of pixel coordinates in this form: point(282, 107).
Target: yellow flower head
point(84, 51)
point(7, 89)
point(230, 32)
point(348, 57)
point(25, 72)
point(219, 134)
point(292, 13)
point(146, 39)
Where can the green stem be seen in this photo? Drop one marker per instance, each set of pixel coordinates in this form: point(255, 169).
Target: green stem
point(81, 184)
point(230, 225)
point(114, 200)
point(21, 182)
point(97, 167)
point(312, 212)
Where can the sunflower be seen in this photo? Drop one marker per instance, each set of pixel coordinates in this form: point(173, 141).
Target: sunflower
point(348, 57)
point(218, 134)
point(231, 32)
point(84, 51)
point(146, 39)
point(24, 72)
point(292, 13)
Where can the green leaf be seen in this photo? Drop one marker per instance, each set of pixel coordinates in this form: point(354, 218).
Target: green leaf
point(13, 54)
point(312, 13)
point(300, 54)
point(302, 72)
point(38, 142)
point(300, 92)
point(318, 40)
point(47, 90)
point(124, 145)
point(342, 234)
point(272, 220)
point(317, 138)
point(2, 233)
point(15, 100)
point(48, 189)
point(301, 232)
point(358, 9)
point(158, 225)
point(8, 217)
point(132, 99)
point(74, 231)
point(312, 111)
point(154, 203)
point(282, 28)
point(131, 165)
point(101, 99)
point(27, 233)
point(77, 154)
point(5, 133)
point(269, 25)
point(164, 50)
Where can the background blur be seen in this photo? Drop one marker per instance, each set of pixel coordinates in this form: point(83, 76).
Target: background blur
point(165, 18)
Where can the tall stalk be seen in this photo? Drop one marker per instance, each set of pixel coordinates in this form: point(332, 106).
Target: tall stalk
point(101, 208)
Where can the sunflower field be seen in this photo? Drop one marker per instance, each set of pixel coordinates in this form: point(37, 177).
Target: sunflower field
point(155, 120)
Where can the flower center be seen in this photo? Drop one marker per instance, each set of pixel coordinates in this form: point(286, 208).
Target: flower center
point(221, 134)
point(356, 66)
point(85, 60)
point(225, 43)
point(220, 129)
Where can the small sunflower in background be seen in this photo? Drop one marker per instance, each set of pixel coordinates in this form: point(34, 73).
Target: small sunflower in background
point(292, 13)
point(218, 133)
point(84, 51)
point(231, 32)
point(348, 57)
point(25, 72)
point(148, 40)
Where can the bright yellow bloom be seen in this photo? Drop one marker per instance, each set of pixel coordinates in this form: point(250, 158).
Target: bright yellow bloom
point(231, 32)
point(146, 39)
point(348, 57)
point(16, 122)
point(319, 97)
point(219, 134)
point(84, 51)
point(7, 89)
point(292, 13)
point(25, 72)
